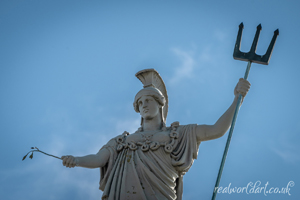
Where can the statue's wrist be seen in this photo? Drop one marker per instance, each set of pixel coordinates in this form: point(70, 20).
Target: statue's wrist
point(76, 161)
point(236, 97)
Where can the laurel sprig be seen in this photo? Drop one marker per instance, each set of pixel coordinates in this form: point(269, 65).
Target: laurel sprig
point(35, 149)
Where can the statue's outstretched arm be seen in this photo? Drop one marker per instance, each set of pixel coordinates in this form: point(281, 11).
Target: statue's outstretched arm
point(210, 132)
point(88, 161)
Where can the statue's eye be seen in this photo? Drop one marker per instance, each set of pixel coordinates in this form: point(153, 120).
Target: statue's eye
point(140, 103)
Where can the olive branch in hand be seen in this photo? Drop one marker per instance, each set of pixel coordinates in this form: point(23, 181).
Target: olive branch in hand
point(37, 149)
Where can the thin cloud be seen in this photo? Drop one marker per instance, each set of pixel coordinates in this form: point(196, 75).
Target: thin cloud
point(286, 154)
point(185, 70)
point(220, 35)
point(194, 64)
point(285, 149)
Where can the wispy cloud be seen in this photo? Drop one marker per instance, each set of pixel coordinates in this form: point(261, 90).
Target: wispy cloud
point(220, 35)
point(205, 59)
point(286, 154)
point(286, 149)
point(186, 67)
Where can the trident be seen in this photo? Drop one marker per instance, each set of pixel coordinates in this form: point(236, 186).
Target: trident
point(250, 57)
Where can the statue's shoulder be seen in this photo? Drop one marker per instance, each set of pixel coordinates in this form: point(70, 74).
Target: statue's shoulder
point(176, 126)
point(116, 140)
point(121, 137)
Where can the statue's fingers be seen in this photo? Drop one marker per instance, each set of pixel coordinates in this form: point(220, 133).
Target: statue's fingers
point(243, 89)
point(73, 162)
point(243, 93)
point(244, 84)
point(244, 81)
point(65, 160)
point(69, 160)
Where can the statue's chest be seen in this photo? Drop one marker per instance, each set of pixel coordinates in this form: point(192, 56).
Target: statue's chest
point(149, 141)
point(160, 137)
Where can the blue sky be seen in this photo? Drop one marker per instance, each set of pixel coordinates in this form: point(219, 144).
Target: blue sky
point(67, 86)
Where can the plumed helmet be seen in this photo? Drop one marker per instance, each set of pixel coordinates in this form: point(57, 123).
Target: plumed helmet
point(153, 86)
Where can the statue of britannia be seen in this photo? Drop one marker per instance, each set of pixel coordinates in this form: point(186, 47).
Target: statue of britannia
point(149, 164)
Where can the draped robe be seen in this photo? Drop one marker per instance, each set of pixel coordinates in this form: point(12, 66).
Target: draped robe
point(149, 167)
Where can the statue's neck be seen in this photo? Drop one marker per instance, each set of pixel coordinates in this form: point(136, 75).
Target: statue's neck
point(152, 124)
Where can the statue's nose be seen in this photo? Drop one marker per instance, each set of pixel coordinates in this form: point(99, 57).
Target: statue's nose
point(145, 104)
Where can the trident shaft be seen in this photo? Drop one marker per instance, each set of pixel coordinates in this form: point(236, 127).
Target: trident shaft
point(250, 57)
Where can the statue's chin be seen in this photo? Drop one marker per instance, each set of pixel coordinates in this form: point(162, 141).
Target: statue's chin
point(148, 118)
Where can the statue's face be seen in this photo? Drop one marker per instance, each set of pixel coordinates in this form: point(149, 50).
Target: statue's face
point(148, 107)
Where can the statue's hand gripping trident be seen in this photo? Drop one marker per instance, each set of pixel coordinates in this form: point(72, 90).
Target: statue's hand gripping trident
point(250, 57)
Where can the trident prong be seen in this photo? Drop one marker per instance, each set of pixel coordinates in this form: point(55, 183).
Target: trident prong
point(251, 55)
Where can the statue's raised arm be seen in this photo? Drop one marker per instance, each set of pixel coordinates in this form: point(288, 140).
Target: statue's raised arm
point(210, 132)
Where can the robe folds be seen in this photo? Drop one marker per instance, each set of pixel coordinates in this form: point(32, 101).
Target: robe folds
point(149, 167)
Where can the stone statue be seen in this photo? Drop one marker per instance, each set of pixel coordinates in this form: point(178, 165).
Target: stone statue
point(150, 163)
